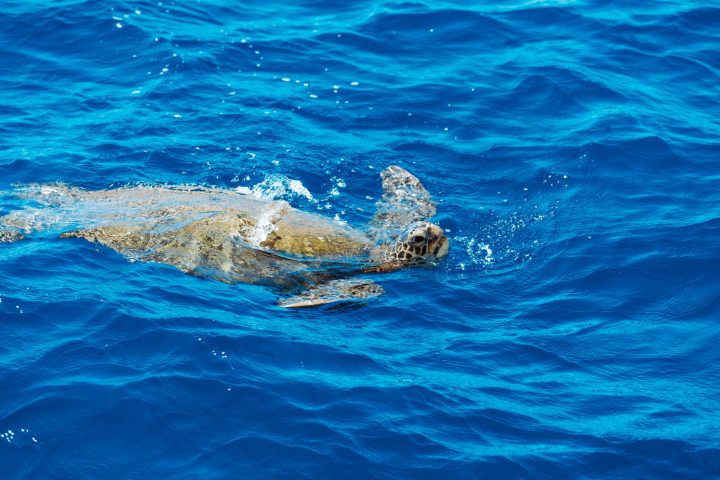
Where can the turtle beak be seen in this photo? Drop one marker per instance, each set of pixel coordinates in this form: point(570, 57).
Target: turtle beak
point(442, 247)
point(438, 243)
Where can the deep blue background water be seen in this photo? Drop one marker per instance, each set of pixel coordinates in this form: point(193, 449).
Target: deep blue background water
point(572, 332)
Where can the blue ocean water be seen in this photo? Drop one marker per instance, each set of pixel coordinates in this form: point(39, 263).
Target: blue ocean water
point(572, 332)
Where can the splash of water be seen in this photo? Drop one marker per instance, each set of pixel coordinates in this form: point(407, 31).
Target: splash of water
point(277, 186)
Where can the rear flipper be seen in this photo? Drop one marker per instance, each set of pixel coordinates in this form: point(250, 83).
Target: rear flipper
point(334, 291)
point(7, 236)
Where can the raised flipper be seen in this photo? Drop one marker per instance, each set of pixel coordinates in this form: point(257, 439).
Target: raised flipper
point(404, 201)
point(333, 292)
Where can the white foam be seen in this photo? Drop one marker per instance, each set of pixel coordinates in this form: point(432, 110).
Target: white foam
point(46, 190)
point(488, 253)
point(297, 187)
point(277, 187)
point(266, 222)
point(339, 220)
point(479, 253)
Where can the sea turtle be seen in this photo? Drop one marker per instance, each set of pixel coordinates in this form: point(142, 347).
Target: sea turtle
point(235, 237)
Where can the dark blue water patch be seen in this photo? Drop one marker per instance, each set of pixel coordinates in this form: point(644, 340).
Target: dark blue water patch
point(74, 35)
point(705, 19)
point(555, 23)
point(536, 93)
point(413, 32)
point(611, 463)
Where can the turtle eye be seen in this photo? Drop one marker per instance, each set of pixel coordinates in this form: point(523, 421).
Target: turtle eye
point(418, 239)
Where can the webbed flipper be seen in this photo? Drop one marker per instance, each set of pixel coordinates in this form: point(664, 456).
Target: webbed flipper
point(334, 291)
point(404, 201)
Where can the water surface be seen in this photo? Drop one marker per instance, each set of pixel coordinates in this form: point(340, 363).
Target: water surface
point(571, 333)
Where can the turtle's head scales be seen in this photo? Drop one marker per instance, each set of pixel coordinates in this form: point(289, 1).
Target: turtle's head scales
point(420, 243)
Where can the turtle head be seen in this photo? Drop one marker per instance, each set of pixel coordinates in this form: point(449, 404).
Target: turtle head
point(421, 242)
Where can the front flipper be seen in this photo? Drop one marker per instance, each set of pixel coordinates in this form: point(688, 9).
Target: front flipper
point(404, 201)
point(333, 292)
